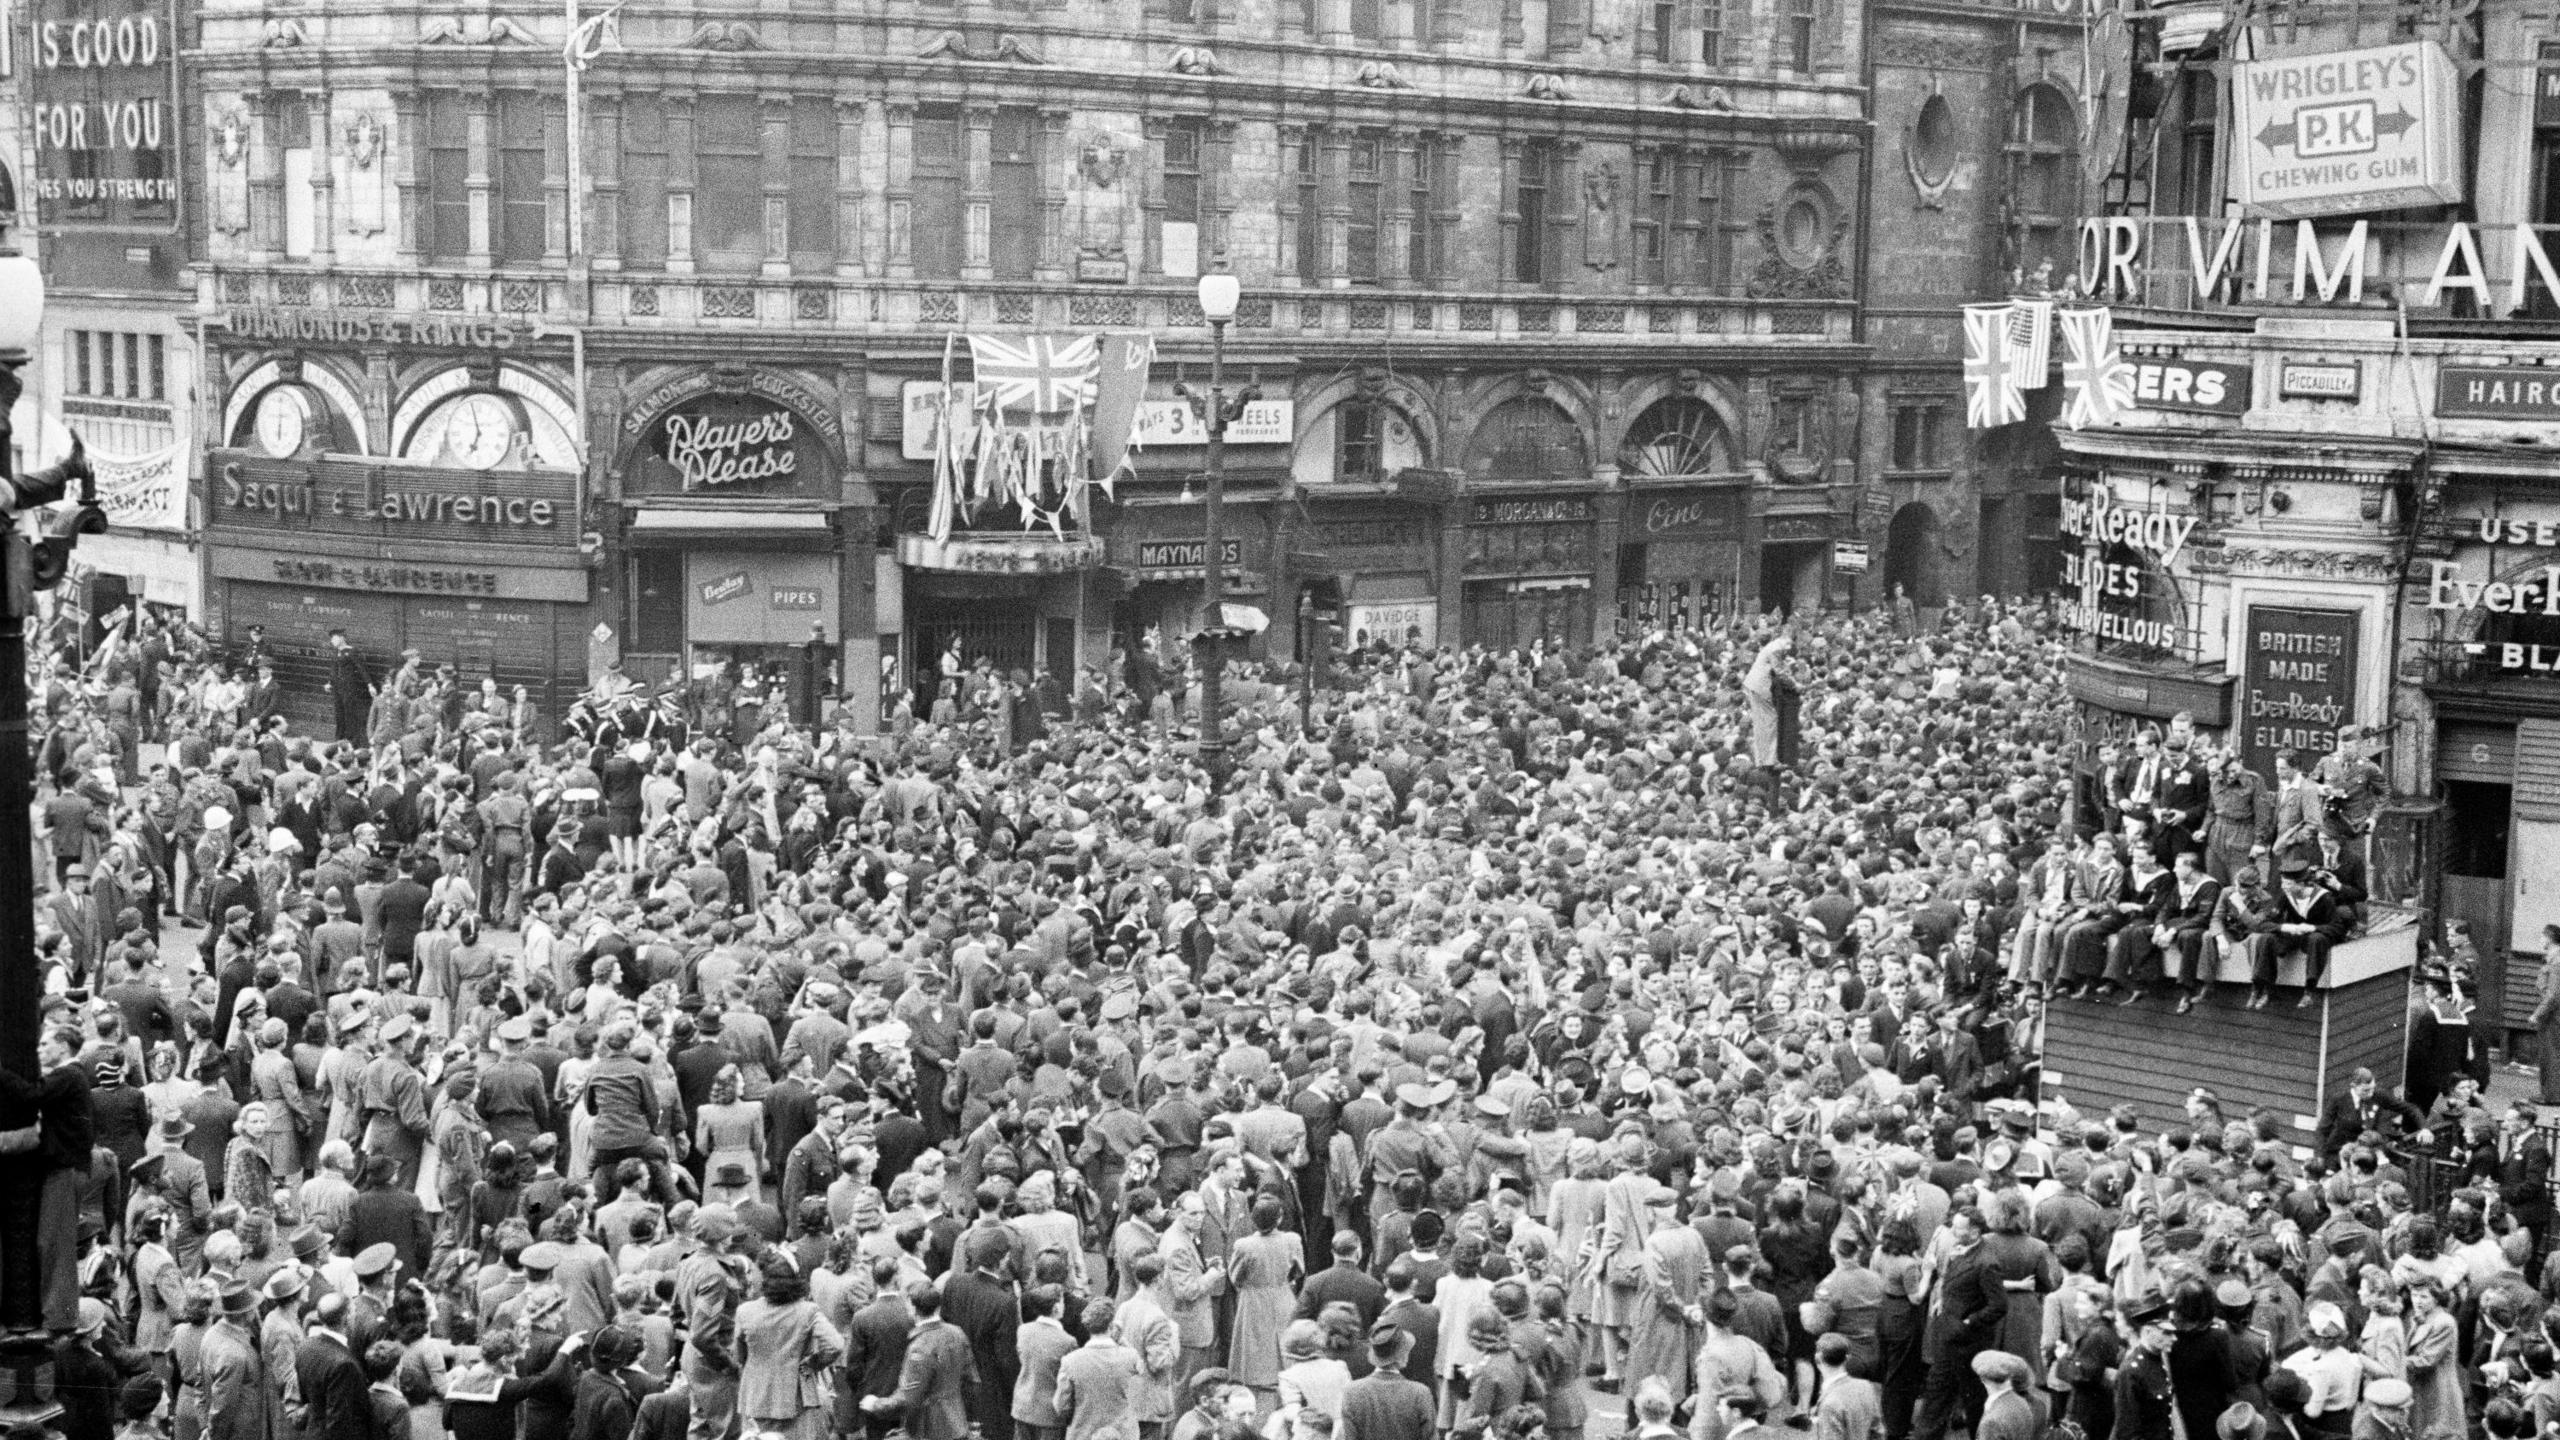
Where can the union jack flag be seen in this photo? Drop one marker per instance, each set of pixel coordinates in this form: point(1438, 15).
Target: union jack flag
point(2097, 383)
point(1991, 394)
point(1044, 374)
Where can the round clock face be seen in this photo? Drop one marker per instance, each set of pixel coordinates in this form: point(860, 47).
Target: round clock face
point(478, 431)
point(284, 419)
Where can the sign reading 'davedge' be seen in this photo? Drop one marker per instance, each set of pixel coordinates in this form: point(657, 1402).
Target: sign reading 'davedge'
point(2347, 132)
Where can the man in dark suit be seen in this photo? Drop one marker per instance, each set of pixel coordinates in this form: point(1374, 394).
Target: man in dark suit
point(979, 1303)
point(1939, 1045)
point(2524, 1168)
point(875, 1344)
point(1964, 1318)
point(2361, 1109)
point(1343, 1281)
point(2178, 924)
point(2186, 792)
point(334, 1398)
point(1387, 1403)
point(935, 1376)
point(350, 689)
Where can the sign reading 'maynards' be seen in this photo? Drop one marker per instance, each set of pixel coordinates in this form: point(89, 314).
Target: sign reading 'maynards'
point(2347, 132)
point(102, 103)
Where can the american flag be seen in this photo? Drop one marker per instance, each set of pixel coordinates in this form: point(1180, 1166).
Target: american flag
point(1991, 395)
point(1044, 374)
point(2097, 384)
point(2030, 342)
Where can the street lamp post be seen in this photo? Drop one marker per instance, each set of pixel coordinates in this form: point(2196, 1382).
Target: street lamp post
point(35, 549)
point(1219, 293)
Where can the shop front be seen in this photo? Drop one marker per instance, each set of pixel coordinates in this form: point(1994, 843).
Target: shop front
point(1528, 573)
point(1017, 602)
point(2485, 628)
point(1159, 553)
point(731, 479)
point(1679, 556)
point(480, 571)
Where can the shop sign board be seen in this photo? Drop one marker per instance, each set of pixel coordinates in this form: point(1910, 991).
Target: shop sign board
point(359, 327)
point(1532, 512)
point(2194, 387)
point(235, 561)
point(2497, 392)
point(2319, 380)
point(1187, 554)
point(1393, 621)
point(1160, 422)
point(2129, 689)
point(739, 598)
point(966, 555)
point(1689, 514)
point(2347, 132)
point(1849, 557)
point(101, 104)
point(2297, 683)
point(731, 444)
point(408, 503)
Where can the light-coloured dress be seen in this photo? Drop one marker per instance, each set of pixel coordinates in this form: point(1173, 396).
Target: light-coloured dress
point(1263, 1269)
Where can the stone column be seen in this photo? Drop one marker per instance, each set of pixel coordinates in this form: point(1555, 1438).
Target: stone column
point(978, 124)
point(1056, 261)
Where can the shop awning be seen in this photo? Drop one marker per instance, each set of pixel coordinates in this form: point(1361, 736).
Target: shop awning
point(1000, 554)
point(668, 522)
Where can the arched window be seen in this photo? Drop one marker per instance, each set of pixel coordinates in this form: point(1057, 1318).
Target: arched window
point(2044, 176)
point(1682, 435)
point(1360, 440)
point(1529, 437)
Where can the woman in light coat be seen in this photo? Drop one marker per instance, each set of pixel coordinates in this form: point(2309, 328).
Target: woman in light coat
point(785, 1348)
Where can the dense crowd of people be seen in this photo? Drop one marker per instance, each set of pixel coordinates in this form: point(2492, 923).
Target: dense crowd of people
point(1478, 1037)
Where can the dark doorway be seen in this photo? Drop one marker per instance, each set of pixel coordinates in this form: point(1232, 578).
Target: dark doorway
point(1912, 558)
point(1791, 576)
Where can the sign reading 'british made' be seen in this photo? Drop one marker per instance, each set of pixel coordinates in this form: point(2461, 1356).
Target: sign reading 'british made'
point(2297, 683)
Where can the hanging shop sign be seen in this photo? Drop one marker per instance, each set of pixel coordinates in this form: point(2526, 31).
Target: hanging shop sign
point(731, 444)
point(1850, 557)
point(2347, 132)
point(2319, 380)
point(101, 101)
point(2297, 683)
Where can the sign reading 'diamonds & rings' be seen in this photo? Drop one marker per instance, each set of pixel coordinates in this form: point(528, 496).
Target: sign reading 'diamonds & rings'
point(2347, 132)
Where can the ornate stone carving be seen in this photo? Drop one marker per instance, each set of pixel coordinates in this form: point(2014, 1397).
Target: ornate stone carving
point(1547, 85)
point(473, 30)
point(1935, 51)
point(1714, 99)
point(725, 36)
point(1195, 60)
point(1827, 278)
point(230, 140)
point(285, 33)
point(1381, 75)
point(2293, 560)
point(1008, 50)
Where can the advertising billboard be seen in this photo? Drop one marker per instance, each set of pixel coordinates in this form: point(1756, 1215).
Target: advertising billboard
point(101, 83)
point(2347, 132)
point(2297, 684)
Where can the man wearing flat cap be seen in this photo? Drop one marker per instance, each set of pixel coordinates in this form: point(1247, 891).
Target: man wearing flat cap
point(2007, 1413)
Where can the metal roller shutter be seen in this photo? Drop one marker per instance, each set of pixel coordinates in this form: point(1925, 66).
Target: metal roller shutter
point(2483, 753)
point(2537, 769)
